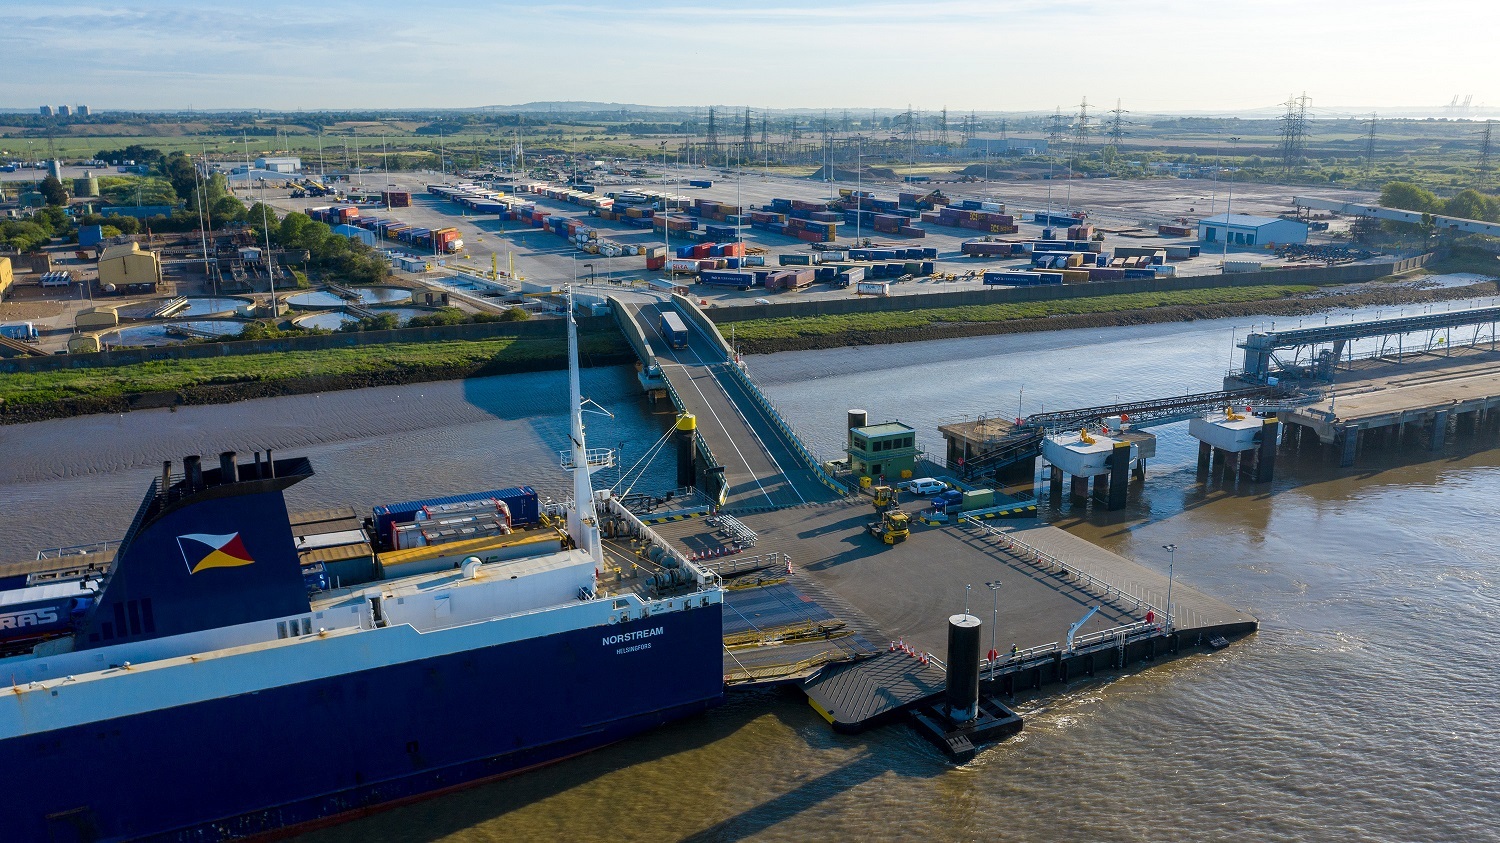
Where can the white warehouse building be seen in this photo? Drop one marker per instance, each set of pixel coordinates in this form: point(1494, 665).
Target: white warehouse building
point(1245, 230)
point(279, 165)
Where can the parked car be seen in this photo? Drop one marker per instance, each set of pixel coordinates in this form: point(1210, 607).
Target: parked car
point(943, 500)
point(924, 486)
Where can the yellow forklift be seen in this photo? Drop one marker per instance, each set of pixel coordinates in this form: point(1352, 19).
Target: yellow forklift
point(894, 526)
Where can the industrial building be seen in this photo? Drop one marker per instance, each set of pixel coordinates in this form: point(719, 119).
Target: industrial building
point(881, 450)
point(280, 165)
point(128, 269)
point(64, 111)
point(1246, 230)
point(83, 111)
point(46, 110)
point(354, 232)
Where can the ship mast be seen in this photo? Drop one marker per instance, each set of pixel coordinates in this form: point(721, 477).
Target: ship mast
point(583, 521)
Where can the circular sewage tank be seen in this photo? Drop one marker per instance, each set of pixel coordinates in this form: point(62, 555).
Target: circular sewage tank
point(171, 333)
point(197, 306)
point(324, 299)
point(332, 320)
point(328, 320)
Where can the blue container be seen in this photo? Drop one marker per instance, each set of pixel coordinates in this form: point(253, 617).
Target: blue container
point(929, 254)
point(525, 511)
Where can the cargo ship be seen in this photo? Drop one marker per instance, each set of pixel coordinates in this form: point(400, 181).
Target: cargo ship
point(229, 671)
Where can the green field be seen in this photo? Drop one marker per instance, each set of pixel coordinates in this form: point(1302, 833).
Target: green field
point(441, 359)
point(765, 331)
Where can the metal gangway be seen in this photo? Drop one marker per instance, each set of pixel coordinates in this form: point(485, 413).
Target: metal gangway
point(1262, 361)
point(1169, 409)
point(732, 530)
point(169, 307)
point(191, 332)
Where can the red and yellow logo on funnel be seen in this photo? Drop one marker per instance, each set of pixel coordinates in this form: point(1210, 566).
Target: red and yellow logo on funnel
point(201, 551)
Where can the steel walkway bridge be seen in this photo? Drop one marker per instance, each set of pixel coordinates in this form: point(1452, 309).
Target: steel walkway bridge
point(1326, 344)
point(1164, 410)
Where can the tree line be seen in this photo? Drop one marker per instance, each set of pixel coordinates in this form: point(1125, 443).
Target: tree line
point(1468, 204)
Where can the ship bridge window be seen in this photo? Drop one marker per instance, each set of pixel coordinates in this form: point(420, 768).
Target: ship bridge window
point(621, 604)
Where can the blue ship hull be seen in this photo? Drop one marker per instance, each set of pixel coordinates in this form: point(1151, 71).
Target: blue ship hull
point(283, 757)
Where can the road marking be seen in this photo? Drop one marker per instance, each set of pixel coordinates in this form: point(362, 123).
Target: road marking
point(684, 366)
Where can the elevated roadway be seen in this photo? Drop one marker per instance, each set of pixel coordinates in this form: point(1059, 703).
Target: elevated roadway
point(763, 468)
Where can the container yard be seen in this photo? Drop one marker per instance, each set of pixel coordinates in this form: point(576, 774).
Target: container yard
point(719, 236)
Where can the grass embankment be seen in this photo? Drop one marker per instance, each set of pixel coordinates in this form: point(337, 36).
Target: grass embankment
point(764, 335)
point(32, 396)
point(802, 333)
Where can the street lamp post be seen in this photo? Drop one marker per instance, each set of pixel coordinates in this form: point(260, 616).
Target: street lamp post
point(1171, 550)
point(592, 276)
point(994, 654)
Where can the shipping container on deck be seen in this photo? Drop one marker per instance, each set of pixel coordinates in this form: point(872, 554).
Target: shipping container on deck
point(521, 501)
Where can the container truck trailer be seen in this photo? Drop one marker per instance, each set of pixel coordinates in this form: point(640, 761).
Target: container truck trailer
point(674, 330)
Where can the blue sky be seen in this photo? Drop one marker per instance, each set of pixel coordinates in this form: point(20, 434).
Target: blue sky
point(1155, 55)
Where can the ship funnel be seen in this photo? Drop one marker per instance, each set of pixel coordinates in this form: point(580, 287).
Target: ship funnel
point(192, 470)
point(229, 470)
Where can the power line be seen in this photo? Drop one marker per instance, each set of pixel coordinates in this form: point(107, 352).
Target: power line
point(1055, 131)
point(1294, 130)
point(711, 144)
point(1117, 125)
point(745, 145)
point(1081, 131)
point(1484, 152)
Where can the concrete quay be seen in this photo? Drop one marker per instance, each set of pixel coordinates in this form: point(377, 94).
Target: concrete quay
point(1423, 397)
